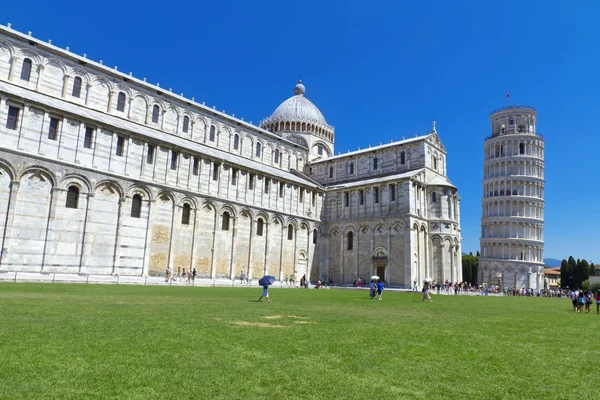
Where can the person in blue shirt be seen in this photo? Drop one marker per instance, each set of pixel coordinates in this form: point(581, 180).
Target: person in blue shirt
point(265, 293)
point(372, 289)
point(380, 289)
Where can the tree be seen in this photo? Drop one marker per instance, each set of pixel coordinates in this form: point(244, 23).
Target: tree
point(572, 269)
point(466, 267)
point(470, 264)
point(592, 269)
point(478, 255)
point(585, 270)
point(564, 273)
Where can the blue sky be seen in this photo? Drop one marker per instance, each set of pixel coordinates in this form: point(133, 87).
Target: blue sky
point(377, 71)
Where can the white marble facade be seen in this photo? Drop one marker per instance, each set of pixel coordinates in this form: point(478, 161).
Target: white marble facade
point(512, 223)
point(102, 173)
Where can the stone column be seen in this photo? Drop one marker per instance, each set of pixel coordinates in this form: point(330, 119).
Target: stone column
point(111, 95)
point(212, 249)
point(173, 237)
point(267, 231)
point(65, 85)
point(341, 261)
point(119, 232)
point(50, 222)
point(85, 248)
point(87, 92)
point(13, 66)
point(281, 252)
point(233, 244)
point(12, 203)
point(296, 249)
point(148, 242)
point(249, 269)
point(452, 272)
point(308, 252)
point(388, 270)
point(39, 77)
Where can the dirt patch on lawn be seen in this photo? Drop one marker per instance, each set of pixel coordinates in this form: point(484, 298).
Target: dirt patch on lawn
point(273, 317)
point(304, 322)
point(258, 324)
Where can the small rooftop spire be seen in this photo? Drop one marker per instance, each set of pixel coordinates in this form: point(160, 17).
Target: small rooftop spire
point(433, 126)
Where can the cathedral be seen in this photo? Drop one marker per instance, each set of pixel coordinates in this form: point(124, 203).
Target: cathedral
point(102, 173)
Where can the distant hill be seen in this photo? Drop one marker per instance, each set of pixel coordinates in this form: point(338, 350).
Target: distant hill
point(552, 262)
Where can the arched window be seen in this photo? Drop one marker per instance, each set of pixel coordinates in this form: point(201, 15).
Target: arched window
point(320, 150)
point(276, 156)
point(72, 197)
point(76, 87)
point(351, 168)
point(185, 214)
point(225, 222)
point(435, 163)
point(350, 241)
point(186, 124)
point(26, 70)
point(212, 134)
point(258, 149)
point(331, 172)
point(315, 236)
point(236, 141)
point(259, 227)
point(155, 112)
point(121, 102)
point(290, 232)
point(136, 206)
point(433, 197)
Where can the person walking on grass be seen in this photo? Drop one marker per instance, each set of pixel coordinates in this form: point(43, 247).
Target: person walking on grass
point(372, 289)
point(598, 301)
point(380, 289)
point(589, 298)
point(241, 277)
point(580, 301)
point(426, 292)
point(574, 299)
point(265, 294)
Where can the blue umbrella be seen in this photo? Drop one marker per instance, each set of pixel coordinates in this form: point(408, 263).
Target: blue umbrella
point(266, 280)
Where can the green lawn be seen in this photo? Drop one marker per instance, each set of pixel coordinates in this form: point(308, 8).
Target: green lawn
point(127, 342)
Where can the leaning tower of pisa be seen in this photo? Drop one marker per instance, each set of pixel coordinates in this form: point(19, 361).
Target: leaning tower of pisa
point(512, 221)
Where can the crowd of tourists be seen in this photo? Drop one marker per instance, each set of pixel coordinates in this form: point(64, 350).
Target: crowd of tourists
point(189, 276)
point(583, 299)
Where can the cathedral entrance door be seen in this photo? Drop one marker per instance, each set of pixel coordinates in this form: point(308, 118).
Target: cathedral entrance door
point(380, 260)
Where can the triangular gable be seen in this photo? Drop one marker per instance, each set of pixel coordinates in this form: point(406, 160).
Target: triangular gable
point(435, 140)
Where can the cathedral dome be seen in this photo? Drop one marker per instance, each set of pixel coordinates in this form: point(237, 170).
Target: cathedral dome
point(298, 109)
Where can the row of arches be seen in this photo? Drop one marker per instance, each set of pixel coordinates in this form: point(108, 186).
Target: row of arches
point(108, 227)
point(522, 146)
point(511, 251)
point(514, 188)
point(324, 132)
point(75, 83)
point(512, 230)
point(514, 168)
point(513, 208)
point(514, 123)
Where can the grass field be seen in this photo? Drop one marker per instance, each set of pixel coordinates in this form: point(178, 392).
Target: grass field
point(128, 342)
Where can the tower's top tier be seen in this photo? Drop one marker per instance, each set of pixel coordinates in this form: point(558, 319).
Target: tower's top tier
point(511, 120)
